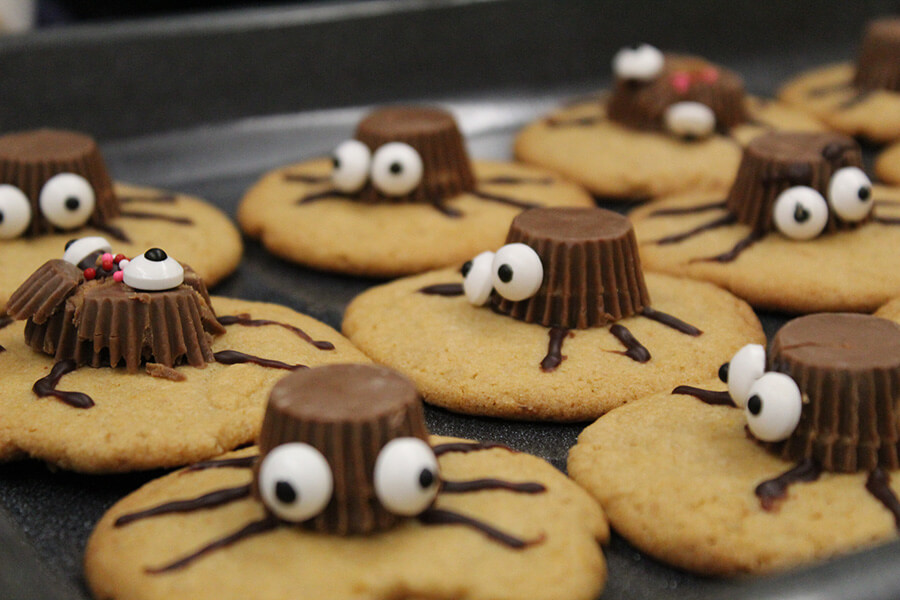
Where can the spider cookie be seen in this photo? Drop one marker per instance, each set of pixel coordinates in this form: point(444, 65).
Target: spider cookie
point(112, 365)
point(862, 99)
point(801, 230)
point(54, 186)
point(799, 460)
point(400, 198)
point(346, 496)
point(671, 123)
point(573, 329)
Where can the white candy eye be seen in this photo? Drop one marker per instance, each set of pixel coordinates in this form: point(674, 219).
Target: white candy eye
point(406, 476)
point(801, 213)
point(67, 200)
point(640, 64)
point(747, 365)
point(850, 194)
point(517, 272)
point(690, 120)
point(295, 482)
point(773, 408)
point(78, 250)
point(351, 166)
point(153, 271)
point(396, 169)
point(15, 212)
point(477, 282)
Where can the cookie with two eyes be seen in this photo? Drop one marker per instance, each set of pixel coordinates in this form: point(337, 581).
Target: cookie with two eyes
point(560, 324)
point(111, 365)
point(802, 229)
point(671, 123)
point(402, 197)
point(347, 496)
point(861, 99)
point(54, 186)
point(793, 458)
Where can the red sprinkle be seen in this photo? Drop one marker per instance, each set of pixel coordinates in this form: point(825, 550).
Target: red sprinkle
point(90, 273)
point(119, 258)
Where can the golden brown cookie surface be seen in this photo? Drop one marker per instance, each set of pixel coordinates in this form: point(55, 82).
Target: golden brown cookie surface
point(887, 166)
point(139, 421)
point(409, 560)
point(470, 359)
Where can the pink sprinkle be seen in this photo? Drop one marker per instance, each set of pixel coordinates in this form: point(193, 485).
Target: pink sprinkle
point(106, 257)
point(709, 75)
point(118, 276)
point(681, 82)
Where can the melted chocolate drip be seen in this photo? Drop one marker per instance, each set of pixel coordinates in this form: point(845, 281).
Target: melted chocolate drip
point(438, 516)
point(707, 396)
point(243, 462)
point(46, 386)
point(512, 180)
point(443, 289)
point(114, 232)
point(210, 500)
point(860, 96)
point(771, 491)
point(251, 529)
point(245, 320)
point(879, 485)
point(304, 178)
point(140, 214)
point(158, 199)
point(234, 357)
point(722, 221)
point(732, 254)
point(504, 200)
point(634, 349)
point(554, 356)
point(441, 449)
point(688, 210)
point(461, 487)
point(670, 321)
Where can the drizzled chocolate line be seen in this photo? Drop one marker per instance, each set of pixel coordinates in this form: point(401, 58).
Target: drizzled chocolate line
point(234, 357)
point(441, 449)
point(513, 180)
point(554, 356)
point(879, 485)
point(251, 529)
point(634, 349)
point(242, 462)
point(732, 254)
point(858, 98)
point(439, 516)
point(442, 289)
point(46, 386)
point(158, 199)
point(305, 178)
point(722, 221)
point(113, 231)
point(210, 500)
point(504, 200)
point(149, 216)
point(475, 485)
point(708, 396)
point(688, 210)
point(773, 490)
point(670, 321)
point(247, 321)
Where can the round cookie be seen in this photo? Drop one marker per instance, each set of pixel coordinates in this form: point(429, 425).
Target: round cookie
point(861, 99)
point(67, 167)
point(148, 412)
point(887, 165)
point(313, 510)
point(355, 219)
point(569, 352)
point(624, 145)
point(685, 477)
point(739, 240)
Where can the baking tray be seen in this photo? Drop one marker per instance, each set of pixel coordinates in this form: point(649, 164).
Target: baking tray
point(206, 104)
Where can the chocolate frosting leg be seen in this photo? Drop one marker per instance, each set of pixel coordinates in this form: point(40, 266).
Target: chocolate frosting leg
point(879, 485)
point(46, 386)
point(441, 449)
point(707, 396)
point(634, 349)
point(771, 491)
point(475, 485)
point(554, 356)
point(438, 516)
point(210, 500)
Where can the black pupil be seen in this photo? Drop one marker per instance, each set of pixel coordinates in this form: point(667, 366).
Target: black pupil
point(801, 214)
point(505, 273)
point(396, 168)
point(754, 405)
point(156, 254)
point(723, 373)
point(336, 162)
point(864, 193)
point(285, 492)
point(467, 266)
point(1, 220)
point(72, 203)
point(426, 478)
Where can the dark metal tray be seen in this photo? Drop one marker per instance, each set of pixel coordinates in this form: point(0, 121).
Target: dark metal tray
point(263, 78)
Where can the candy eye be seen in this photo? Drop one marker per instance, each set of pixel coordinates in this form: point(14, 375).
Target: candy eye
point(773, 407)
point(850, 194)
point(407, 476)
point(517, 272)
point(691, 120)
point(67, 200)
point(478, 282)
point(396, 169)
point(351, 166)
point(295, 482)
point(800, 213)
point(642, 63)
point(747, 365)
point(15, 212)
point(78, 250)
point(153, 271)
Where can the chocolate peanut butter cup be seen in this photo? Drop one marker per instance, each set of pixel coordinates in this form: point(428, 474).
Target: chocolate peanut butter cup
point(878, 65)
point(591, 268)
